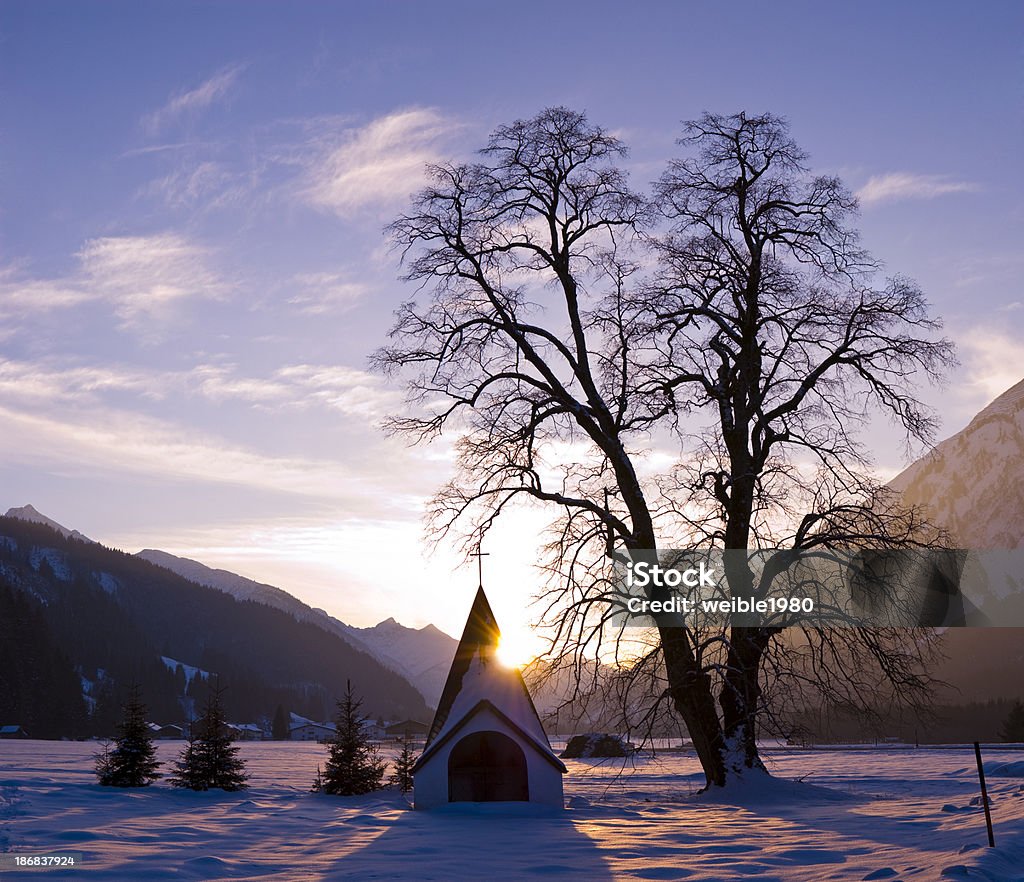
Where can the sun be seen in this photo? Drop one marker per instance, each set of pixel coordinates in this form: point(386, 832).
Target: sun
point(517, 648)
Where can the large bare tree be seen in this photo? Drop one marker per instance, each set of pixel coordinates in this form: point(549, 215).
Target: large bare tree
point(571, 324)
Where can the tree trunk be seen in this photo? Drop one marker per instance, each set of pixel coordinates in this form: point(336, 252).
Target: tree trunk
point(741, 693)
point(690, 688)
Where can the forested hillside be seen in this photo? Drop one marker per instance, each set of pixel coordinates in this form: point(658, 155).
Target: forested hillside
point(80, 622)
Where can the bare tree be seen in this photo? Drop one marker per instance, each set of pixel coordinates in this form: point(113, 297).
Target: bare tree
point(756, 314)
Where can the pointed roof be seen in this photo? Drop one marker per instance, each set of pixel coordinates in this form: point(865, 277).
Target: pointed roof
point(479, 638)
point(476, 677)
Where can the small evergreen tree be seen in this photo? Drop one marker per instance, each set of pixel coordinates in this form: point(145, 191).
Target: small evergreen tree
point(280, 729)
point(210, 760)
point(402, 776)
point(353, 766)
point(131, 761)
point(1013, 725)
point(188, 769)
point(102, 760)
point(318, 782)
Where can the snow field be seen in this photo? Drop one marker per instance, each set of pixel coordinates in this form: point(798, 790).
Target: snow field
point(855, 815)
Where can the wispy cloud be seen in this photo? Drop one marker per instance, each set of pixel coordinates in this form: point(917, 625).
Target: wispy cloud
point(120, 442)
point(158, 149)
point(350, 391)
point(222, 383)
point(320, 293)
point(328, 162)
point(193, 101)
point(35, 383)
point(377, 164)
point(146, 277)
point(994, 270)
point(20, 293)
point(143, 278)
point(206, 183)
point(899, 186)
point(993, 362)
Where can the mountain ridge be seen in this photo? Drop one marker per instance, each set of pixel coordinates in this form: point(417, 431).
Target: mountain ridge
point(421, 655)
point(106, 619)
point(34, 516)
point(972, 483)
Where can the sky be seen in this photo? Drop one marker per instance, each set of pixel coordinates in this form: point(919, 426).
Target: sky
point(193, 271)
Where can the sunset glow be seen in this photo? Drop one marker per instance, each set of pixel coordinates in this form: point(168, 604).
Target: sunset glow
point(519, 646)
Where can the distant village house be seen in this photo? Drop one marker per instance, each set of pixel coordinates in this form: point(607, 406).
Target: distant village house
point(407, 729)
point(13, 732)
point(375, 731)
point(310, 731)
point(245, 731)
point(167, 732)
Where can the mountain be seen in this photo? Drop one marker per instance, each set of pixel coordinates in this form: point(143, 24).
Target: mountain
point(421, 655)
point(29, 513)
point(80, 622)
point(242, 588)
point(972, 484)
point(230, 583)
point(424, 654)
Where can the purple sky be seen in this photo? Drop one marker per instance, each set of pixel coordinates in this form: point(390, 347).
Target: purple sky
point(192, 271)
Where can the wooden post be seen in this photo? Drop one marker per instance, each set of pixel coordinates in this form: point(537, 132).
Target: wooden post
point(984, 795)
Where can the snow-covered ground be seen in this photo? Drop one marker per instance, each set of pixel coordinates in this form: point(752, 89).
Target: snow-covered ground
point(836, 815)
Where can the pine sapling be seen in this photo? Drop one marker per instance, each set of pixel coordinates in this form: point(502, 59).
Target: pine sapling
point(353, 765)
point(131, 760)
point(402, 776)
point(210, 760)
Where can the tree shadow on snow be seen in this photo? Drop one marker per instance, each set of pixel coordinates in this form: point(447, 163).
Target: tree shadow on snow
point(492, 841)
point(836, 816)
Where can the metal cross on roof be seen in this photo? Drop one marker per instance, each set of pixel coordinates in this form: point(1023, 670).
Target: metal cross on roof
point(480, 555)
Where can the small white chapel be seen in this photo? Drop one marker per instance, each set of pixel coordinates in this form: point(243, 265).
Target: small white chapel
point(486, 743)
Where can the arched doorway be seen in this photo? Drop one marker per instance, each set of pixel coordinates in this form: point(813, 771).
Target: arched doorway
point(487, 767)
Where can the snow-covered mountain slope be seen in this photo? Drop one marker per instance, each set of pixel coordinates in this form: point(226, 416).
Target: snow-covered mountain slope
point(248, 589)
point(79, 607)
point(972, 484)
point(421, 655)
point(424, 654)
point(29, 513)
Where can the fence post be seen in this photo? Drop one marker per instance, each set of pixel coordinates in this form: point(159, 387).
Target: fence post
point(984, 795)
